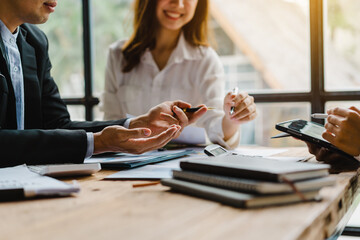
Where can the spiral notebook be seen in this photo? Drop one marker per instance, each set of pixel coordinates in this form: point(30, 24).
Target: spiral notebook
point(251, 185)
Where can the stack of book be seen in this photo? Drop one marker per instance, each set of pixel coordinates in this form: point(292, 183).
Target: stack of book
point(248, 182)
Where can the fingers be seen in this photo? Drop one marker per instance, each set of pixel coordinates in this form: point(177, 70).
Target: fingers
point(338, 111)
point(181, 116)
point(244, 119)
point(312, 148)
point(193, 117)
point(335, 120)
point(237, 99)
point(245, 110)
point(169, 119)
point(247, 114)
point(355, 109)
point(181, 104)
point(141, 145)
point(328, 136)
point(332, 128)
point(124, 134)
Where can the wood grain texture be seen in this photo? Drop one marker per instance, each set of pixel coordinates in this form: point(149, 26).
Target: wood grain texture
point(116, 210)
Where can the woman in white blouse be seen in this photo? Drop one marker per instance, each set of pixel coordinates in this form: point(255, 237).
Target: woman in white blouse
point(168, 58)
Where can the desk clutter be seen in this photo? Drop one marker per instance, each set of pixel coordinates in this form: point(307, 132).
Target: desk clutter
point(19, 182)
point(237, 180)
point(248, 182)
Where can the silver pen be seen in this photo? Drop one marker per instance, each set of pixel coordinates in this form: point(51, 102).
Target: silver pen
point(319, 115)
point(234, 91)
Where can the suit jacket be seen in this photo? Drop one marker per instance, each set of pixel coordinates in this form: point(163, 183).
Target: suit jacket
point(49, 136)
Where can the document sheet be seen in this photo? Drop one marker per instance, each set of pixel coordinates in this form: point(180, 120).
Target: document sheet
point(33, 184)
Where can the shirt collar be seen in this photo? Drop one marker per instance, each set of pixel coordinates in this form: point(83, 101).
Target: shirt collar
point(183, 51)
point(7, 36)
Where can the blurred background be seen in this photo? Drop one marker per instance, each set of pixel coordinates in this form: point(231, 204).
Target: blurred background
point(280, 51)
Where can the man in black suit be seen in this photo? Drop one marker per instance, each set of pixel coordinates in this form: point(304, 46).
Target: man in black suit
point(35, 126)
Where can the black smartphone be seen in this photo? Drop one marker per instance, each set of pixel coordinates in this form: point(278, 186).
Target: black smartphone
point(309, 132)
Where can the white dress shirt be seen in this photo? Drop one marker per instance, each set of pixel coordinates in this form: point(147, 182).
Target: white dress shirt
point(192, 74)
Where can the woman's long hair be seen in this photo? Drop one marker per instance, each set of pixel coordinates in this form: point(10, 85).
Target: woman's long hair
point(145, 25)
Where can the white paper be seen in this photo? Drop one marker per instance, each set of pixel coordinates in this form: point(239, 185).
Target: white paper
point(289, 159)
point(191, 135)
point(259, 152)
point(33, 183)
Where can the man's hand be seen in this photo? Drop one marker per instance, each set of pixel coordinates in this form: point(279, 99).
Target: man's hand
point(137, 141)
point(343, 129)
point(160, 117)
point(337, 162)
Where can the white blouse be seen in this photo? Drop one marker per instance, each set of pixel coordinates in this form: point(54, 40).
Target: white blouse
point(192, 74)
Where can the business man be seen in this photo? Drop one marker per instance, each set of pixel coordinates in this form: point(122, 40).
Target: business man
point(35, 126)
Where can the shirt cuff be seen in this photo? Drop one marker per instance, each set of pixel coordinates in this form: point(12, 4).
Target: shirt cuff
point(90, 145)
point(357, 158)
point(216, 135)
point(127, 123)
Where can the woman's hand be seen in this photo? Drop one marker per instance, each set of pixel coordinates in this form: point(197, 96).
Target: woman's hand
point(244, 110)
point(243, 105)
point(343, 129)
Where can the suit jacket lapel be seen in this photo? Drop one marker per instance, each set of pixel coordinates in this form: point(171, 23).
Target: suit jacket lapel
point(31, 80)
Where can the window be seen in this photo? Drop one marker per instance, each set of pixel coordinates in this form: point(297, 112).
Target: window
point(342, 45)
point(295, 57)
point(64, 31)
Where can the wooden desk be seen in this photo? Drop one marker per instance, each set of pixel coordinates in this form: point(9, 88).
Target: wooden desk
point(115, 210)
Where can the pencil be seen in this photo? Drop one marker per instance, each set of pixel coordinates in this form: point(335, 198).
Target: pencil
point(190, 110)
point(145, 184)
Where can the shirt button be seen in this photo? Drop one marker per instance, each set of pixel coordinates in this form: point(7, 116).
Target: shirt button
point(12, 41)
point(15, 69)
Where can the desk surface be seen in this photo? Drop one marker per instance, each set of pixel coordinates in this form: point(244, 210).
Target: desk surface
point(114, 209)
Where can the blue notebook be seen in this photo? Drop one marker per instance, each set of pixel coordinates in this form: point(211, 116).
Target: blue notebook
point(127, 161)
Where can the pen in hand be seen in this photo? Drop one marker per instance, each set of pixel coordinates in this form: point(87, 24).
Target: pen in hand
point(191, 110)
point(319, 115)
point(235, 92)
